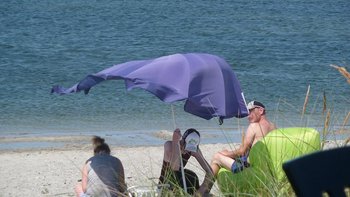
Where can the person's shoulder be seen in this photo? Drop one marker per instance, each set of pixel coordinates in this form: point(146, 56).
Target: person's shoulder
point(272, 126)
point(90, 159)
point(253, 126)
point(115, 159)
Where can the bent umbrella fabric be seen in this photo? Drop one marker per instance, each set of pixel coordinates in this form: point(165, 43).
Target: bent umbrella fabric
point(205, 81)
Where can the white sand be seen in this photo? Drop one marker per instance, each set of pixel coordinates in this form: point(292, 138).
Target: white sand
point(55, 172)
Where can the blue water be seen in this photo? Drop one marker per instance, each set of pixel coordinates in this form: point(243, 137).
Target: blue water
point(276, 49)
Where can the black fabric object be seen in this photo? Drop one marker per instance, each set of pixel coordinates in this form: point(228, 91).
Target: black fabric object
point(192, 181)
point(323, 171)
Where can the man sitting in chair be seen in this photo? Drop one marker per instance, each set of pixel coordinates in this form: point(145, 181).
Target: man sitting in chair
point(236, 160)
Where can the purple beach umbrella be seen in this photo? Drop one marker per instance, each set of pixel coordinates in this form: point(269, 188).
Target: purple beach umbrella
point(206, 82)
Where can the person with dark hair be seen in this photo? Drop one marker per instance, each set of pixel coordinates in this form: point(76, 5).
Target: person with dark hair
point(102, 174)
point(180, 149)
point(237, 160)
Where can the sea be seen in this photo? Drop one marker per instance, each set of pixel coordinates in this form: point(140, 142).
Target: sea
point(280, 51)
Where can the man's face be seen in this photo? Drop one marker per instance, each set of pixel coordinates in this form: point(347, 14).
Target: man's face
point(255, 114)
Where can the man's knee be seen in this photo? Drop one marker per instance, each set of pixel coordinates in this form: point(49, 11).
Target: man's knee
point(216, 158)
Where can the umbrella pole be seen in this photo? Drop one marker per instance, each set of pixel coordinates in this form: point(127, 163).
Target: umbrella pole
point(181, 163)
point(173, 114)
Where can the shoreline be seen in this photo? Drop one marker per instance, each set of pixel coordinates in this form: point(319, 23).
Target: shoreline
point(73, 141)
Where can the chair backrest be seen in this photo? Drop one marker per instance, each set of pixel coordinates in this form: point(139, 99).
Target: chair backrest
point(281, 145)
point(323, 171)
point(265, 176)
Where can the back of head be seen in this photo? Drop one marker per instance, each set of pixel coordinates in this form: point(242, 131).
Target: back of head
point(100, 146)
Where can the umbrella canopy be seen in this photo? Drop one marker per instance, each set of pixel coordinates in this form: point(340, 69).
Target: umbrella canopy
point(205, 81)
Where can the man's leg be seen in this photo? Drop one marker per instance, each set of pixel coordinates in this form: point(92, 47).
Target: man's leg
point(219, 160)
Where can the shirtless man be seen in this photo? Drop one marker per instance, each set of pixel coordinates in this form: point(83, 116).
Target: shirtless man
point(236, 160)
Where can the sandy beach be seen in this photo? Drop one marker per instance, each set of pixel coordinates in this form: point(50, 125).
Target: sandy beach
point(55, 171)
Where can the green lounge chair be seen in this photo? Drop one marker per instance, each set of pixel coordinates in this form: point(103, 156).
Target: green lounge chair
point(265, 174)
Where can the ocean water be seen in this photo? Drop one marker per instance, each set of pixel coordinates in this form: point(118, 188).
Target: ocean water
point(276, 48)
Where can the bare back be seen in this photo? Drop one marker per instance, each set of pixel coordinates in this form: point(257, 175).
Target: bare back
point(260, 129)
point(255, 132)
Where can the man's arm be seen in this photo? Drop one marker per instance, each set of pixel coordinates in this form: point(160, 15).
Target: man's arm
point(201, 160)
point(243, 148)
point(84, 179)
point(208, 178)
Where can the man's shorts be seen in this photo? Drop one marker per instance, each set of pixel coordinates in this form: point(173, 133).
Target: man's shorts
point(239, 164)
